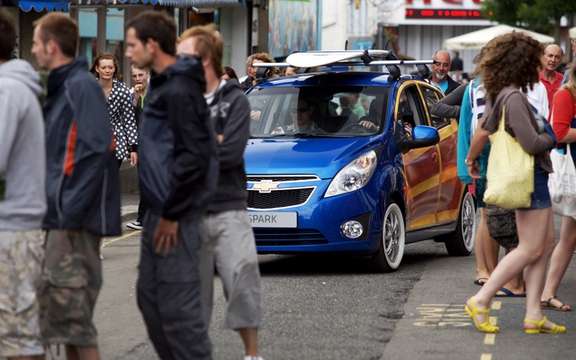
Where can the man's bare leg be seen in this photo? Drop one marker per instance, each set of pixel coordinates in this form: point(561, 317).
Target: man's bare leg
point(250, 338)
point(82, 353)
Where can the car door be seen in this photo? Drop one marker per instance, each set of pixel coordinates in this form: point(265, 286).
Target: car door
point(421, 166)
point(451, 189)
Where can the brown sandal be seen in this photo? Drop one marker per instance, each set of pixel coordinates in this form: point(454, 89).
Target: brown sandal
point(554, 303)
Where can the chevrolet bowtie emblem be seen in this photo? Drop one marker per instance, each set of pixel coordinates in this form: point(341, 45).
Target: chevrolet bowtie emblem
point(265, 186)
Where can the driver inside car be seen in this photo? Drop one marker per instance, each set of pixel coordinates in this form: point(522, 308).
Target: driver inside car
point(371, 120)
point(301, 120)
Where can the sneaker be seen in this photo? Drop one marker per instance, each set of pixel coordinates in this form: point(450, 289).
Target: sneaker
point(247, 357)
point(134, 225)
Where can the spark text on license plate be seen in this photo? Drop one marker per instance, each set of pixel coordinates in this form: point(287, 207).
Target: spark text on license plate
point(273, 219)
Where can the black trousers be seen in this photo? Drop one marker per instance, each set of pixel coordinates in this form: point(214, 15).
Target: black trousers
point(141, 210)
point(168, 292)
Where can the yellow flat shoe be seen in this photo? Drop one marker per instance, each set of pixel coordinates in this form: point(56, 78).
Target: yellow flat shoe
point(484, 326)
point(540, 327)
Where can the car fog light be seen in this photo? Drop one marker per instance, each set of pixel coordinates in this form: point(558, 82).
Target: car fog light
point(352, 229)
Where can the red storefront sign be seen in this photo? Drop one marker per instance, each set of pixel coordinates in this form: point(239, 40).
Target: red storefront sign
point(438, 9)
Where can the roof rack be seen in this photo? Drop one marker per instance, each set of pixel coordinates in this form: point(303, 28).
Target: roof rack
point(353, 63)
point(313, 59)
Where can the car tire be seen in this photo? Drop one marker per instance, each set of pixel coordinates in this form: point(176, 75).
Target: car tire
point(461, 241)
point(391, 240)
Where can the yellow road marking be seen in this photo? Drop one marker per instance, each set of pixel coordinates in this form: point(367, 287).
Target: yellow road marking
point(113, 240)
point(486, 357)
point(490, 339)
point(493, 320)
point(496, 305)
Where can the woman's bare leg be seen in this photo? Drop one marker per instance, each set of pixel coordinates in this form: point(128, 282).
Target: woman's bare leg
point(535, 274)
point(561, 257)
point(532, 244)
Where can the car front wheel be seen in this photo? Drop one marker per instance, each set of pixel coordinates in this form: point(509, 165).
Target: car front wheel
point(392, 240)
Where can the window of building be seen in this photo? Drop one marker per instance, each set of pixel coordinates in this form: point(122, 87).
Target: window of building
point(115, 35)
point(88, 26)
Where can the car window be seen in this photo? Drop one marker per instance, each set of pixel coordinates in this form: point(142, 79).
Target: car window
point(432, 96)
point(409, 107)
point(317, 111)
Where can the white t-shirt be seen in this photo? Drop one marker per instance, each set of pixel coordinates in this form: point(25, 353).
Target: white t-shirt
point(210, 96)
point(538, 97)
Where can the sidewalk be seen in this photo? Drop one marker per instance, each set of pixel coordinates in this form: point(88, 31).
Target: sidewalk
point(435, 325)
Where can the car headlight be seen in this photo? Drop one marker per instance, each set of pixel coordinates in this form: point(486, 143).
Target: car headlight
point(353, 176)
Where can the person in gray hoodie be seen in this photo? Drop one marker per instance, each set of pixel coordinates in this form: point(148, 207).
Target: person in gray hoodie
point(227, 239)
point(22, 202)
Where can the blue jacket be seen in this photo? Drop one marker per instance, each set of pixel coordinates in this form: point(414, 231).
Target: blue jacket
point(464, 139)
point(178, 158)
point(82, 183)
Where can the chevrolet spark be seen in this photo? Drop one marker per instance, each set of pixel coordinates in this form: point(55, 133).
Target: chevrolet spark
point(353, 162)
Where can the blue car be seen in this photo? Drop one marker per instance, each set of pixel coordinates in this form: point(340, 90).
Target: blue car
point(353, 162)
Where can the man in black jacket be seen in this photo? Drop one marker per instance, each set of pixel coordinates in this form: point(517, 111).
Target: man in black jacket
point(227, 237)
point(82, 187)
point(178, 171)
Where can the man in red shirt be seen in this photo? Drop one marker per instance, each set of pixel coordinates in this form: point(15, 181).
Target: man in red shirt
point(551, 78)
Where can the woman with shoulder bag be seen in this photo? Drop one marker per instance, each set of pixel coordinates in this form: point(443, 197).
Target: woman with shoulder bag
point(509, 66)
point(563, 115)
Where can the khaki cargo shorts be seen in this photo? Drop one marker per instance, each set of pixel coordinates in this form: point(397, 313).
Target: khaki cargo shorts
point(21, 256)
point(71, 282)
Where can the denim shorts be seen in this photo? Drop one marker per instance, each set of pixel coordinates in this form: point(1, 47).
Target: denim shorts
point(541, 195)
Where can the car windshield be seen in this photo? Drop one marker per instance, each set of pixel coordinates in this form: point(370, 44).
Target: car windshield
point(315, 111)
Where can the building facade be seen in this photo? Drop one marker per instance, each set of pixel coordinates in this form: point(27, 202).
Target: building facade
point(419, 27)
point(102, 24)
point(349, 22)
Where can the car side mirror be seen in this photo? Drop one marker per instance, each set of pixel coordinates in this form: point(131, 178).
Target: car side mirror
point(422, 136)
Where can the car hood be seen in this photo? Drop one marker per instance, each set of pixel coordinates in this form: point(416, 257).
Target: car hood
point(323, 157)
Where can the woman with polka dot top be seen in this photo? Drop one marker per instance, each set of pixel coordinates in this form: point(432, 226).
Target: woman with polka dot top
point(120, 107)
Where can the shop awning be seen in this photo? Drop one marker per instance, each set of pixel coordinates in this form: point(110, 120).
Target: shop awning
point(114, 2)
point(41, 5)
point(477, 39)
point(200, 3)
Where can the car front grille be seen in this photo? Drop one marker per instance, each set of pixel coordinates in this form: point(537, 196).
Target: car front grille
point(282, 178)
point(281, 237)
point(278, 198)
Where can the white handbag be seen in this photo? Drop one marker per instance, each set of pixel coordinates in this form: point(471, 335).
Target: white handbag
point(562, 183)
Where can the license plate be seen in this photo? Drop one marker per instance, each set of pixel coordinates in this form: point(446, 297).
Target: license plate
point(273, 219)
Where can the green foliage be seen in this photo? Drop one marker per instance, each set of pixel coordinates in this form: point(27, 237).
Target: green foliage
point(538, 15)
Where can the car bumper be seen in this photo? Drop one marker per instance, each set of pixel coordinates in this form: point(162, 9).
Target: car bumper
point(319, 225)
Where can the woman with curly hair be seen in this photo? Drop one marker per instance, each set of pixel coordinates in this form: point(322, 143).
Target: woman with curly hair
point(509, 67)
point(120, 107)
